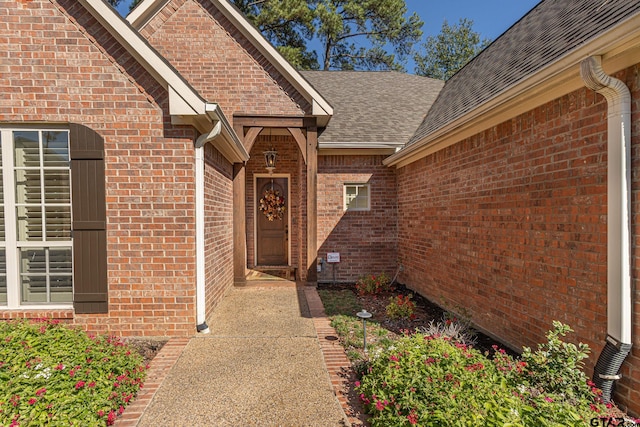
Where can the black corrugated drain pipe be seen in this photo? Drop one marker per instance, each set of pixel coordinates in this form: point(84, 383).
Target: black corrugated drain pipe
point(619, 293)
point(607, 369)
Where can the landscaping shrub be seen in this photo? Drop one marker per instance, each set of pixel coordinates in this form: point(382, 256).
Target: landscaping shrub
point(373, 284)
point(431, 380)
point(51, 374)
point(457, 331)
point(552, 373)
point(401, 307)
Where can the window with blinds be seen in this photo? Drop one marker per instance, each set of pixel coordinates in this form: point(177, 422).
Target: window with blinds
point(356, 197)
point(36, 226)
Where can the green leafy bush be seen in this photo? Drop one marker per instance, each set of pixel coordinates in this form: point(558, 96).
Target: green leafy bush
point(51, 374)
point(401, 307)
point(431, 380)
point(553, 373)
point(423, 380)
point(373, 284)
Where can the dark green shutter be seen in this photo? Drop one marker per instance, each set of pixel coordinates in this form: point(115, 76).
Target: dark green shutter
point(89, 220)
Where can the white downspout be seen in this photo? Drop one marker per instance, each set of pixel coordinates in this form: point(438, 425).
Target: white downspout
point(619, 292)
point(201, 315)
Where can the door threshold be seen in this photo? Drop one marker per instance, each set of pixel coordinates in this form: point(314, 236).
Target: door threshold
point(272, 272)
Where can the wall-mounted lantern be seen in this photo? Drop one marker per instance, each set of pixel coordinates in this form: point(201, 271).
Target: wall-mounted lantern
point(270, 158)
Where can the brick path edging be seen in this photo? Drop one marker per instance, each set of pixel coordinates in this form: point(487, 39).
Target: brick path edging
point(159, 367)
point(335, 358)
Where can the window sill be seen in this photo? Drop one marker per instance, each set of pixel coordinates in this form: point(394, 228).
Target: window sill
point(31, 312)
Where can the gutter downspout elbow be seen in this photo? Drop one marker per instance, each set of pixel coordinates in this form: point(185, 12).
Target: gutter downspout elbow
point(201, 312)
point(619, 306)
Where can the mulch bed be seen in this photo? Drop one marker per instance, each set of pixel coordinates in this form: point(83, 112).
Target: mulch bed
point(426, 312)
point(148, 348)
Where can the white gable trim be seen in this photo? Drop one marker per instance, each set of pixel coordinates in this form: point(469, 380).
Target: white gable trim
point(321, 109)
point(185, 104)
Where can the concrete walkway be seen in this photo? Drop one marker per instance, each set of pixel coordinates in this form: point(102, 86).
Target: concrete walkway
point(262, 365)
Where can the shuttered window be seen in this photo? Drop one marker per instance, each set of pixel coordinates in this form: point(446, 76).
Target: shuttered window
point(52, 219)
point(36, 255)
point(89, 220)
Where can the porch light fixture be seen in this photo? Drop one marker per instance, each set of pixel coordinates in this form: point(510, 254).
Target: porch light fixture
point(270, 158)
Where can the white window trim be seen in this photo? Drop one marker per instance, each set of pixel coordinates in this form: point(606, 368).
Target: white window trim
point(344, 196)
point(11, 245)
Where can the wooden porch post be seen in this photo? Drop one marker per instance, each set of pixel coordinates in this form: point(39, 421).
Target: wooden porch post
point(239, 218)
point(312, 203)
point(239, 224)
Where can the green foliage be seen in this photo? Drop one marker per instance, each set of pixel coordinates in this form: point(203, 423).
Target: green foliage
point(427, 381)
point(339, 302)
point(434, 381)
point(554, 370)
point(351, 333)
point(355, 34)
point(287, 24)
point(373, 285)
point(133, 4)
point(401, 307)
point(381, 23)
point(51, 374)
point(444, 54)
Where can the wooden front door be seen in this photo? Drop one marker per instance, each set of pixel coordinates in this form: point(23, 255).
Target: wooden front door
point(272, 235)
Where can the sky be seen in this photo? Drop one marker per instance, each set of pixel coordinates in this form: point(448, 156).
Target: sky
point(490, 18)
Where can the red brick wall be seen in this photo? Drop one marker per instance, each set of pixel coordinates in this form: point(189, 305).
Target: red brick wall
point(58, 66)
point(366, 240)
point(220, 62)
point(218, 226)
point(290, 161)
point(511, 224)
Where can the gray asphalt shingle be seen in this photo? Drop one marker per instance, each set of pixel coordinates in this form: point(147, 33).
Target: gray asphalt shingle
point(383, 107)
point(548, 32)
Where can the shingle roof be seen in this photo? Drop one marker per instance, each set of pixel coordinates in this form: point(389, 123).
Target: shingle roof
point(549, 31)
point(384, 107)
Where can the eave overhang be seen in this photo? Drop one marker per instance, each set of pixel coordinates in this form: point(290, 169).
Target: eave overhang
point(619, 48)
point(185, 104)
point(358, 148)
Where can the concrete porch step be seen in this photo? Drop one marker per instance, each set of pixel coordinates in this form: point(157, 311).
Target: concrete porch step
point(267, 272)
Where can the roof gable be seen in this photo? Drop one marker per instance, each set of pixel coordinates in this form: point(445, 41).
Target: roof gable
point(543, 36)
point(150, 15)
point(380, 109)
point(185, 104)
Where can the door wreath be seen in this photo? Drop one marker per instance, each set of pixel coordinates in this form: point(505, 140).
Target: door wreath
point(272, 205)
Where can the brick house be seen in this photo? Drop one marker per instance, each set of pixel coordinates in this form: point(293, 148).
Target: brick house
point(133, 166)
point(517, 195)
point(351, 151)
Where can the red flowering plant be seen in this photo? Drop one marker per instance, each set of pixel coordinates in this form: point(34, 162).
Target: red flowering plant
point(373, 285)
point(401, 307)
point(272, 205)
point(51, 374)
point(433, 380)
